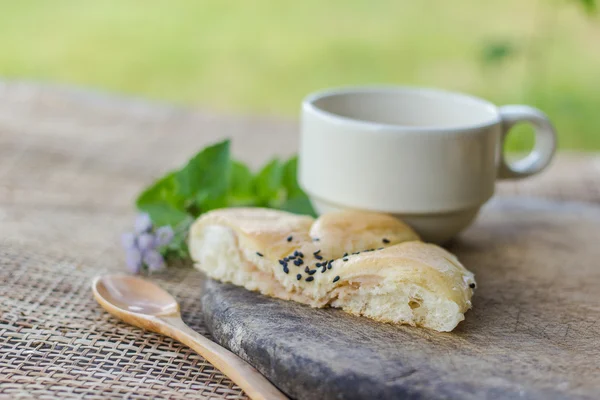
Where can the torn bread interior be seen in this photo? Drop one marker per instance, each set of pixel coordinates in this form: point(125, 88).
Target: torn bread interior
point(365, 263)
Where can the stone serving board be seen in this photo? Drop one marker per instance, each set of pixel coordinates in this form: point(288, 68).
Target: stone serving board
point(533, 332)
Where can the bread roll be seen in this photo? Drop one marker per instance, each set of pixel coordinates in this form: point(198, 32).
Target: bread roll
point(364, 263)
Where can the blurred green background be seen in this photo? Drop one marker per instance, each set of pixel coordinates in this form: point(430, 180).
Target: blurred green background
point(263, 56)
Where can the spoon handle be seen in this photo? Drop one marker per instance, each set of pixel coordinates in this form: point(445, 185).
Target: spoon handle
point(256, 386)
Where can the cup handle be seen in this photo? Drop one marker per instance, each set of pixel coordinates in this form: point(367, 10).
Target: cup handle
point(545, 142)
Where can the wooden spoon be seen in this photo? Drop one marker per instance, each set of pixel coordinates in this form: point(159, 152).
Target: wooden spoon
point(145, 305)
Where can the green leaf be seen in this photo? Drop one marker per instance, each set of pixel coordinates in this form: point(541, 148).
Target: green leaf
point(299, 205)
point(268, 183)
point(208, 170)
point(213, 202)
point(241, 180)
point(164, 214)
point(198, 187)
point(241, 187)
point(162, 202)
point(162, 191)
point(212, 180)
point(297, 202)
point(290, 179)
point(240, 190)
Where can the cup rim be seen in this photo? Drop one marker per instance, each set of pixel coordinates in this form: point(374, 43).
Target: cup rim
point(308, 104)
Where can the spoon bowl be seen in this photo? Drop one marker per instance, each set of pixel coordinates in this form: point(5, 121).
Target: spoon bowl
point(136, 295)
point(143, 304)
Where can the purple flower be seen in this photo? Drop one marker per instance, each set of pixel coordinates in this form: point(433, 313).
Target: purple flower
point(146, 241)
point(143, 223)
point(164, 235)
point(142, 245)
point(133, 258)
point(128, 241)
point(153, 260)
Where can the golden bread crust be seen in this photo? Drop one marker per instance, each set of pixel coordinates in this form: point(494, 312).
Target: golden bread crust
point(389, 276)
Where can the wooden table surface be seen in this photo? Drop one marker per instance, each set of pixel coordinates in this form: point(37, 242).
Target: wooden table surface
point(71, 163)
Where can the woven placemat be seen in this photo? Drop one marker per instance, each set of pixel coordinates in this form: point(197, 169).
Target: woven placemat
point(71, 163)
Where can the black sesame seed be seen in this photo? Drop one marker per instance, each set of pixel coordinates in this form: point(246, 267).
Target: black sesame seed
point(317, 265)
point(310, 279)
point(289, 239)
point(306, 269)
point(291, 257)
point(345, 254)
point(371, 249)
point(298, 277)
point(316, 239)
point(259, 254)
point(358, 252)
point(283, 262)
point(345, 259)
point(300, 254)
point(472, 286)
point(317, 252)
point(318, 257)
point(380, 248)
point(296, 254)
point(329, 266)
point(337, 278)
point(286, 269)
point(312, 271)
point(324, 268)
point(298, 262)
point(386, 241)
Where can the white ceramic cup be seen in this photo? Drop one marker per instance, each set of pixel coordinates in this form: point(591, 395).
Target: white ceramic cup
point(430, 157)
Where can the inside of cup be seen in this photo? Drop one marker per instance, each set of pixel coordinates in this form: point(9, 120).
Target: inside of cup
point(425, 108)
